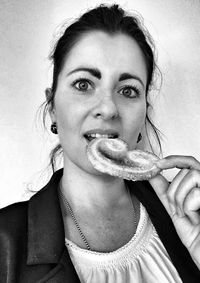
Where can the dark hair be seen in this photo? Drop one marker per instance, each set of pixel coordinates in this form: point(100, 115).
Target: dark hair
point(112, 20)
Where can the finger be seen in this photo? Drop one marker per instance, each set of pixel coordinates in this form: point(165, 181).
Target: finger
point(191, 206)
point(173, 187)
point(188, 182)
point(178, 161)
point(165, 191)
point(160, 186)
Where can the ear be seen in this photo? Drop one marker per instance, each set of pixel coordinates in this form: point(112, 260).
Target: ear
point(49, 100)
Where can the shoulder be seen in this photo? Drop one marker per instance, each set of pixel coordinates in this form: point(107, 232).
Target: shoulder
point(13, 210)
point(13, 218)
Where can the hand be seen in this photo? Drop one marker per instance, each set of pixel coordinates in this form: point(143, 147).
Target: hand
point(181, 199)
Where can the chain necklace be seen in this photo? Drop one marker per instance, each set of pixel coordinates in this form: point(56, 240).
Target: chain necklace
point(67, 208)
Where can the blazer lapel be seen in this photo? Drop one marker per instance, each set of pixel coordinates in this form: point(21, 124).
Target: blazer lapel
point(45, 225)
point(46, 238)
point(63, 272)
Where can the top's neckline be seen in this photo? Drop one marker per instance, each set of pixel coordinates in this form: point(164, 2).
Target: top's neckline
point(140, 231)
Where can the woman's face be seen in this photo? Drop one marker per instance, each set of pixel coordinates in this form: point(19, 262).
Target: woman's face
point(101, 88)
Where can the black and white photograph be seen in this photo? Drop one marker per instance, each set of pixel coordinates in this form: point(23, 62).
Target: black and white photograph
point(100, 141)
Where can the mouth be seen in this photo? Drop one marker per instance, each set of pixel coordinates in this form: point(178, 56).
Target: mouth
point(90, 137)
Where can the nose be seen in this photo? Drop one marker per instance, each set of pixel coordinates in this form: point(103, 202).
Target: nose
point(106, 108)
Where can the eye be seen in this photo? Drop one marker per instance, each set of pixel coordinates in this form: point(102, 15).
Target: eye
point(82, 84)
point(130, 91)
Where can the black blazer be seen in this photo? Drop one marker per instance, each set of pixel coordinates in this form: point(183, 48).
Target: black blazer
point(32, 247)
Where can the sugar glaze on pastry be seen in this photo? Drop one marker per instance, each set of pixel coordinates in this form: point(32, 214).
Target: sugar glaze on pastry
point(112, 156)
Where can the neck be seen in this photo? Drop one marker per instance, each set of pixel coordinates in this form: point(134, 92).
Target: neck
point(89, 190)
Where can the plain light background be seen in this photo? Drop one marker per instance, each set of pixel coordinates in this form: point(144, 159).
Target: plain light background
point(26, 34)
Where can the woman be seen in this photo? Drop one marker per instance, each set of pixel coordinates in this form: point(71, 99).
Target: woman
point(85, 225)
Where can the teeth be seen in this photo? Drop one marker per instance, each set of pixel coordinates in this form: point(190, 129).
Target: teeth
point(101, 136)
point(97, 135)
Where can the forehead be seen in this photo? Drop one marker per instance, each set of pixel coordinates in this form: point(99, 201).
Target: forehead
point(109, 53)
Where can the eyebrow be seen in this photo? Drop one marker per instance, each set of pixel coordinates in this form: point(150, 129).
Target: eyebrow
point(93, 71)
point(127, 76)
point(96, 73)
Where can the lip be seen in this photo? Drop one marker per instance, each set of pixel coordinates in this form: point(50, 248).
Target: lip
point(102, 132)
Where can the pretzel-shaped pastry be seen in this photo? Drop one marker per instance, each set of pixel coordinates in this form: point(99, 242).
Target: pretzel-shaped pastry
point(112, 156)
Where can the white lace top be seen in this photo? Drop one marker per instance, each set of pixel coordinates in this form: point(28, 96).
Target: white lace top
point(142, 260)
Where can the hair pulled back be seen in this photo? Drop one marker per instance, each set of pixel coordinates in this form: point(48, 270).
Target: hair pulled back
point(112, 20)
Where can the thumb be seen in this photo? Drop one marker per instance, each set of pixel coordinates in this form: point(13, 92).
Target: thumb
point(160, 186)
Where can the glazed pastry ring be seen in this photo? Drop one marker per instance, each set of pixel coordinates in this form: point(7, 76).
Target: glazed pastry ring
point(111, 156)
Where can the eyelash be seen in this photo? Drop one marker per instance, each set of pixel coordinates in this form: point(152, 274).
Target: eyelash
point(84, 80)
point(80, 80)
point(134, 88)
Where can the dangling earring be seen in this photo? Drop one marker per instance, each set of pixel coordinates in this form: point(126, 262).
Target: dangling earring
point(139, 137)
point(54, 128)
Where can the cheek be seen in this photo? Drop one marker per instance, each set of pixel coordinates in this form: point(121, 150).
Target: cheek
point(136, 116)
point(67, 117)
